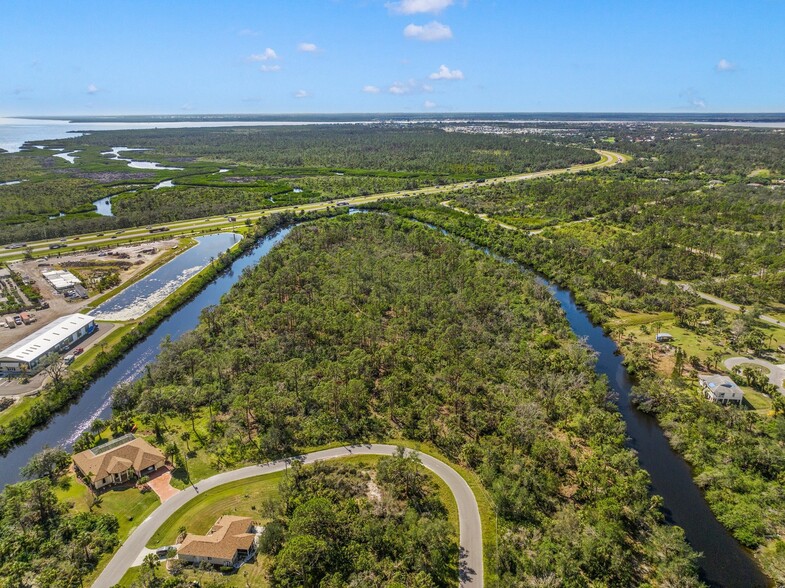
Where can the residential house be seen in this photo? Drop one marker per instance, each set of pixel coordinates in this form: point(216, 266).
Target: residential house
point(231, 540)
point(118, 461)
point(721, 389)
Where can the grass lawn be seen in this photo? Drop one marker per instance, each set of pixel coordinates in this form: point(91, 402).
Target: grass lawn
point(87, 358)
point(242, 498)
point(17, 409)
point(756, 400)
point(251, 574)
point(129, 505)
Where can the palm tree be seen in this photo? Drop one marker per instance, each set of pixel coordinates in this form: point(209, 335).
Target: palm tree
point(186, 437)
point(97, 426)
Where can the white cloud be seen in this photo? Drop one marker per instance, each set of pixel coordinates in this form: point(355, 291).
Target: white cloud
point(301, 94)
point(411, 86)
point(247, 33)
point(399, 88)
point(445, 73)
point(92, 89)
point(371, 89)
point(418, 6)
point(268, 68)
point(725, 65)
point(429, 104)
point(433, 31)
point(266, 55)
point(307, 47)
point(693, 98)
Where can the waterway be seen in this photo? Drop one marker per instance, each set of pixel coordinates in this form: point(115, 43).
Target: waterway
point(150, 291)
point(15, 132)
point(724, 563)
point(95, 403)
point(114, 153)
point(69, 157)
point(103, 206)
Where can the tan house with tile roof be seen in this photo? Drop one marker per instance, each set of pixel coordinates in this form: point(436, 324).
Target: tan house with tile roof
point(118, 461)
point(228, 543)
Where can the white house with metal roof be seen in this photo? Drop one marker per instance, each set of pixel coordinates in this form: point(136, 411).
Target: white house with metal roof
point(721, 389)
point(59, 335)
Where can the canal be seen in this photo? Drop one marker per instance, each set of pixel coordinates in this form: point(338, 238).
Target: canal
point(95, 403)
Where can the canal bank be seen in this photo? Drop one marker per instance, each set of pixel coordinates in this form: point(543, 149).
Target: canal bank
point(78, 401)
point(724, 562)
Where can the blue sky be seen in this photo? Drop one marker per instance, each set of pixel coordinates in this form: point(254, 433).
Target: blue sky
point(156, 57)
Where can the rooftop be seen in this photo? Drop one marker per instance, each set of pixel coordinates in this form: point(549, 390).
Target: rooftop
point(117, 456)
point(715, 381)
point(229, 534)
point(44, 339)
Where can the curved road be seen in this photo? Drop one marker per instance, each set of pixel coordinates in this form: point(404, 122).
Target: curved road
point(470, 567)
point(776, 372)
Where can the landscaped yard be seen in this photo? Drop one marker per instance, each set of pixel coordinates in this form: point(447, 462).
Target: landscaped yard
point(241, 498)
point(129, 505)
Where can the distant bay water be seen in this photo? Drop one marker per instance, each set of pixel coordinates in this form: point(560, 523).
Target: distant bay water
point(15, 132)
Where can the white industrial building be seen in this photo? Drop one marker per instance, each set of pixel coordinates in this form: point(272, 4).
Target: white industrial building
point(59, 335)
point(61, 279)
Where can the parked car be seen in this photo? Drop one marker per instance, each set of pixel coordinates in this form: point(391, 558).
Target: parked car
point(78, 350)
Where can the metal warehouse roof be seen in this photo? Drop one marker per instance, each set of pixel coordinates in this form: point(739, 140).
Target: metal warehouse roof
point(45, 339)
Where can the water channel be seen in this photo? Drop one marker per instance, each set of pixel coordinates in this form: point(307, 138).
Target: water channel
point(724, 564)
point(95, 403)
point(144, 295)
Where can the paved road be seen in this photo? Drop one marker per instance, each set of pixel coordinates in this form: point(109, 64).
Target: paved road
point(471, 564)
point(687, 287)
point(607, 158)
point(729, 305)
point(776, 372)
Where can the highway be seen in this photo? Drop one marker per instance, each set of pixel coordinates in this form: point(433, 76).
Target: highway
point(471, 562)
point(113, 238)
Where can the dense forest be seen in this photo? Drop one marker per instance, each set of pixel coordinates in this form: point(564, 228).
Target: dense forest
point(368, 327)
point(738, 456)
point(43, 543)
point(382, 526)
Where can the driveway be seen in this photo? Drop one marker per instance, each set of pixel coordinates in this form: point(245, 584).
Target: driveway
point(160, 482)
point(470, 565)
point(776, 372)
